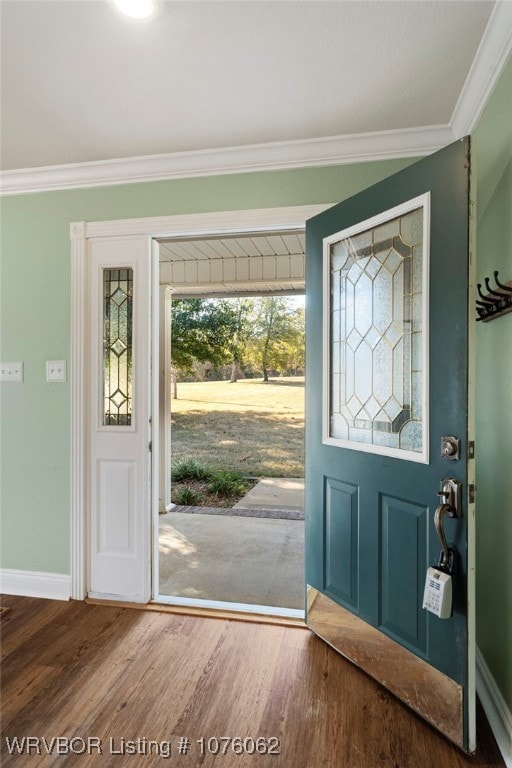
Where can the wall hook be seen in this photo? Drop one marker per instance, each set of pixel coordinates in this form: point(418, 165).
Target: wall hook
point(497, 301)
point(485, 299)
point(504, 287)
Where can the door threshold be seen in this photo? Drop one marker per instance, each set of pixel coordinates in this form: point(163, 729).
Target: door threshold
point(219, 609)
point(286, 617)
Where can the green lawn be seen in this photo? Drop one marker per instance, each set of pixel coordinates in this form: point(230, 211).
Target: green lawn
point(252, 427)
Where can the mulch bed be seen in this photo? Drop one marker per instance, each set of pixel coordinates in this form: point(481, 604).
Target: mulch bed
point(210, 499)
point(211, 504)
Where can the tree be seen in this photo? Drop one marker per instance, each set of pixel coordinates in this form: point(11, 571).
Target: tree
point(266, 332)
point(240, 311)
point(201, 330)
point(278, 337)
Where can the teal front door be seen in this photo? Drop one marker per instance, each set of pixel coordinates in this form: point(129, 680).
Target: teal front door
point(387, 275)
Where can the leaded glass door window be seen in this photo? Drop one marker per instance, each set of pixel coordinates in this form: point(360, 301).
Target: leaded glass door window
point(375, 335)
point(117, 346)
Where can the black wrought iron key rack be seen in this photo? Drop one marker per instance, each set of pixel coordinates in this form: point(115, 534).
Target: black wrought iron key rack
point(496, 302)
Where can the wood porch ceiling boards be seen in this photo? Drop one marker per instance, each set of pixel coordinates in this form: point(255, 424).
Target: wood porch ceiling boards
point(229, 247)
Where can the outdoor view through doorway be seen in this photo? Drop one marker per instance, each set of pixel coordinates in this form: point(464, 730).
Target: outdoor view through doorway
point(234, 531)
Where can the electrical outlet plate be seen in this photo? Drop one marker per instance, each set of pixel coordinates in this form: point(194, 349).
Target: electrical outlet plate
point(11, 372)
point(55, 370)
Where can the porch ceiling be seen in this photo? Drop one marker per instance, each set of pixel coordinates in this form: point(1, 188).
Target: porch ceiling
point(228, 247)
point(248, 264)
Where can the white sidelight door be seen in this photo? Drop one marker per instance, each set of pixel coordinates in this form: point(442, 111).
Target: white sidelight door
point(120, 430)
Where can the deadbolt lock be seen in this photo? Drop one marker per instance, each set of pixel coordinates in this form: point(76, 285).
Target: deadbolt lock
point(450, 448)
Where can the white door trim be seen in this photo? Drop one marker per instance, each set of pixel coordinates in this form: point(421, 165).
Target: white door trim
point(79, 412)
point(216, 222)
point(256, 220)
point(162, 393)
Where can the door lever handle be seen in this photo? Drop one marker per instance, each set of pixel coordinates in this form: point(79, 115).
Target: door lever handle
point(441, 511)
point(451, 506)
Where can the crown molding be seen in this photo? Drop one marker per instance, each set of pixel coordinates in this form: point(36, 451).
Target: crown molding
point(333, 150)
point(490, 60)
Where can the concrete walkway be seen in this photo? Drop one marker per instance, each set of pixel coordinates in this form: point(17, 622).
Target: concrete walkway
point(275, 493)
point(243, 557)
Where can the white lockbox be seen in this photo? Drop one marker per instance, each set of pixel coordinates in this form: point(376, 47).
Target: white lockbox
point(437, 597)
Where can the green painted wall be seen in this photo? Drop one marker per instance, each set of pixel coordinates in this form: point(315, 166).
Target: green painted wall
point(492, 147)
point(35, 325)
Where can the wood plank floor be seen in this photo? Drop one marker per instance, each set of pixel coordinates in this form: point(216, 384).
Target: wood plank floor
point(88, 671)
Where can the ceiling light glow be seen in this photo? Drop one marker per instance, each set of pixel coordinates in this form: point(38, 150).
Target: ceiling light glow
point(136, 9)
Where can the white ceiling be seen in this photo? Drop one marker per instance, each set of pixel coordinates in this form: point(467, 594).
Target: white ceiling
point(80, 83)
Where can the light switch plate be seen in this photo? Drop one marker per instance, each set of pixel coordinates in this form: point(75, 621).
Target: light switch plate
point(55, 370)
point(11, 372)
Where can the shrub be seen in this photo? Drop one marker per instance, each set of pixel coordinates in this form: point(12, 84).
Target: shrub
point(190, 469)
point(226, 483)
point(187, 497)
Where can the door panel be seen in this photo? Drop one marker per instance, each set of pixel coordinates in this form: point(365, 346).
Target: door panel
point(119, 519)
point(341, 541)
point(403, 557)
point(387, 382)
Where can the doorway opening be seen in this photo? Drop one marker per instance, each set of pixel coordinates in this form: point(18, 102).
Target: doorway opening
point(231, 511)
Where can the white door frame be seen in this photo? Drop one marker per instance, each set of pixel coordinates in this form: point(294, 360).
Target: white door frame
point(187, 225)
point(164, 390)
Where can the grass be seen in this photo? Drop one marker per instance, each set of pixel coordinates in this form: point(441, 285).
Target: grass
point(249, 427)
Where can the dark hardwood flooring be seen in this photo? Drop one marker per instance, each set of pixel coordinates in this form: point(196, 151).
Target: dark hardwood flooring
point(99, 672)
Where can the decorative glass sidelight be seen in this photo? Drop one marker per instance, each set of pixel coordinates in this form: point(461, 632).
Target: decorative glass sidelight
point(117, 346)
point(376, 337)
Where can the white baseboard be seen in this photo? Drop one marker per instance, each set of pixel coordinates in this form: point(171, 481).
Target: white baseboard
point(53, 586)
point(495, 707)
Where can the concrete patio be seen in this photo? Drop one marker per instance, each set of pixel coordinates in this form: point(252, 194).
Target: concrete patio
point(251, 554)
